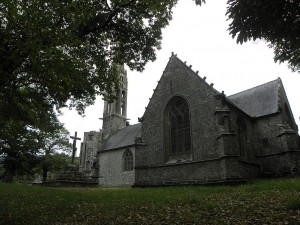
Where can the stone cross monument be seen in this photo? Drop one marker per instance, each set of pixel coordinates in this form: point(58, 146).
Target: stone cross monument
point(75, 138)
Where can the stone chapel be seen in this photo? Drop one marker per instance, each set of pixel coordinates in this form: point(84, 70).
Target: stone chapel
point(192, 134)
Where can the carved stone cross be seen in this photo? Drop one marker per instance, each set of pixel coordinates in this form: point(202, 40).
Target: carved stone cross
point(75, 138)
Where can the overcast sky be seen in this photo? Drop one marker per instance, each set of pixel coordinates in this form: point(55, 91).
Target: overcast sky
point(199, 36)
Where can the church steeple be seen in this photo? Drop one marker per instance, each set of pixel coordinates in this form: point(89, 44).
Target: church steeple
point(114, 114)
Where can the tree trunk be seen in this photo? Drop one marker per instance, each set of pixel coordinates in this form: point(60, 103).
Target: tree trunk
point(45, 173)
point(9, 175)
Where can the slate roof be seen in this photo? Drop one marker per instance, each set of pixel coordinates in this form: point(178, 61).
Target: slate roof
point(258, 101)
point(123, 137)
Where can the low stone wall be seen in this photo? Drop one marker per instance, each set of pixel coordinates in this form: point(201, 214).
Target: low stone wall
point(65, 183)
point(241, 168)
point(280, 164)
point(200, 172)
point(223, 170)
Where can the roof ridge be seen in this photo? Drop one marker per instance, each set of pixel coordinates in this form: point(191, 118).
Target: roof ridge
point(278, 80)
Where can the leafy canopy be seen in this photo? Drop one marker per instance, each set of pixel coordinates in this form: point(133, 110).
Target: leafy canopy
point(58, 53)
point(65, 50)
point(275, 21)
point(22, 147)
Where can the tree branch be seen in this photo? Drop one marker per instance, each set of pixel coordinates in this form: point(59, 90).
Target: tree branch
point(94, 25)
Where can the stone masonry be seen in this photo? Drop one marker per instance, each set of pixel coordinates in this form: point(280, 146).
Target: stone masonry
point(193, 134)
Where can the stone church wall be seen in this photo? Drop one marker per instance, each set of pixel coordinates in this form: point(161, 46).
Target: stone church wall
point(237, 168)
point(239, 163)
point(179, 80)
point(111, 168)
point(226, 143)
point(279, 156)
point(282, 164)
point(196, 172)
point(268, 129)
point(251, 136)
point(89, 147)
point(216, 154)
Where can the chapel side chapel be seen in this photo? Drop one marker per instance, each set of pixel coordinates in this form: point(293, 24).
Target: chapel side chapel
point(192, 134)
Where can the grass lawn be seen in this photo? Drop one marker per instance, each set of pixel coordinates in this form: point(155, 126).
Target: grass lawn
point(261, 202)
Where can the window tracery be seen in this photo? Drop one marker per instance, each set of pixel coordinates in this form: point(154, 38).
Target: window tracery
point(127, 160)
point(178, 136)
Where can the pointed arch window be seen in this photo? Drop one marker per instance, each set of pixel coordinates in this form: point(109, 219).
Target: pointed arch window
point(127, 160)
point(177, 129)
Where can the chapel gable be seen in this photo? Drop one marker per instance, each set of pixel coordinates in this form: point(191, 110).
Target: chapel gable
point(194, 134)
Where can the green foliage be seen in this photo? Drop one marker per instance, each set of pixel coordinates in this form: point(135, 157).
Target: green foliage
point(22, 146)
point(56, 54)
point(52, 164)
point(55, 51)
point(54, 155)
point(262, 202)
point(275, 21)
point(18, 146)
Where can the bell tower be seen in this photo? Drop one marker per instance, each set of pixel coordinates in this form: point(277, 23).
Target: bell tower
point(115, 113)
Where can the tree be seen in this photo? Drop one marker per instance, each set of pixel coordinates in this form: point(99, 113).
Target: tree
point(25, 123)
point(59, 53)
point(55, 150)
point(19, 144)
point(275, 21)
point(23, 151)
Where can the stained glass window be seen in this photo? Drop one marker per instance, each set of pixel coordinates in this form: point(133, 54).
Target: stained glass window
point(179, 127)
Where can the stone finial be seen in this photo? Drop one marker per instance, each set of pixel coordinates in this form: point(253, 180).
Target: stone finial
point(190, 66)
point(175, 54)
point(172, 53)
point(197, 72)
point(212, 84)
point(184, 62)
point(204, 78)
